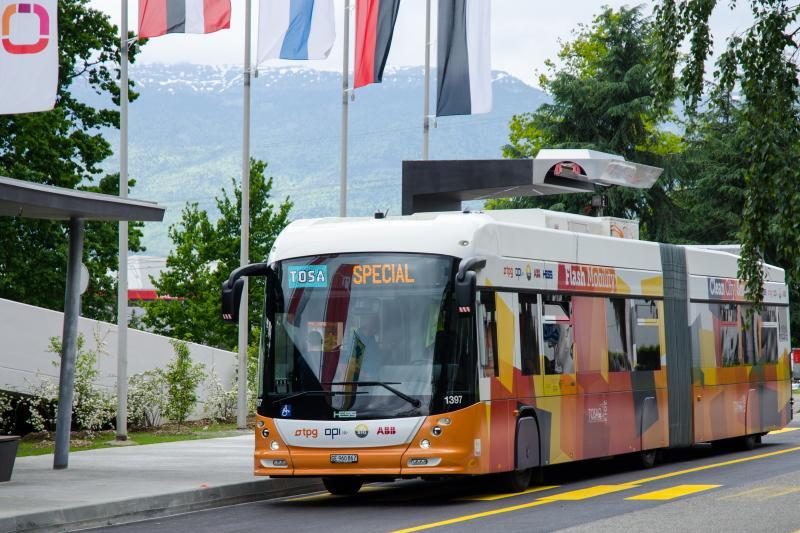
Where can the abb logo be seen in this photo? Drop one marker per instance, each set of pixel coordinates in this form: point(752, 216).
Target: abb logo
point(387, 430)
point(24, 9)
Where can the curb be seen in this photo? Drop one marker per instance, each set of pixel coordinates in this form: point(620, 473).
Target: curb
point(136, 509)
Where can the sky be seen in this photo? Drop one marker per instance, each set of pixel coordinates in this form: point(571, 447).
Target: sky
point(525, 33)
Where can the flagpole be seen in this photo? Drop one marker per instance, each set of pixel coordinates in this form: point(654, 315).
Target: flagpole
point(122, 279)
point(345, 111)
point(426, 120)
point(244, 259)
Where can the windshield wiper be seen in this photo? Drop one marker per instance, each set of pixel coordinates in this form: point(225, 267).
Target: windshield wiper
point(386, 385)
point(305, 392)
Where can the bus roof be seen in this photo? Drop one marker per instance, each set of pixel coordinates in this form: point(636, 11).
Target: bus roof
point(520, 234)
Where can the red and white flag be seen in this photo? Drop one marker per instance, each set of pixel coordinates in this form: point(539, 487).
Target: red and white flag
point(158, 17)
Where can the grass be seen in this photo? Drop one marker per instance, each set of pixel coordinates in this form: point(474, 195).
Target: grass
point(42, 443)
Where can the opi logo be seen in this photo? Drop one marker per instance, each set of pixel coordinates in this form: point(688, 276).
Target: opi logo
point(25, 9)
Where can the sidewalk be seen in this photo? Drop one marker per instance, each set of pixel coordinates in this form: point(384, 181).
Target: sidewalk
point(114, 485)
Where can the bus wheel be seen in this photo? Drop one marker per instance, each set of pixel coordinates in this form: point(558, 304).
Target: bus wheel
point(342, 486)
point(647, 458)
point(514, 481)
point(748, 442)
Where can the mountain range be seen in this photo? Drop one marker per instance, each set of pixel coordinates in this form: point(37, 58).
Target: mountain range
point(185, 139)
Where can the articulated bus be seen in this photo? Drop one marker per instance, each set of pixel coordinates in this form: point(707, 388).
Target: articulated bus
point(462, 344)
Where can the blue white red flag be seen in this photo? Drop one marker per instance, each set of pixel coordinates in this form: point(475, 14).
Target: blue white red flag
point(295, 29)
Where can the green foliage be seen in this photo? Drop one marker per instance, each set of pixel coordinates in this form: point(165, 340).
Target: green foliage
point(183, 376)
point(602, 90)
point(203, 256)
point(756, 81)
point(92, 408)
point(148, 395)
point(6, 414)
point(65, 147)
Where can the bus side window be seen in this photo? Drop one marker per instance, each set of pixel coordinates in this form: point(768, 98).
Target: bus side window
point(557, 334)
point(646, 343)
point(727, 350)
point(529, 333)
point(488, 332)
point(769, 335)
point(619, 359)
point(748, 335)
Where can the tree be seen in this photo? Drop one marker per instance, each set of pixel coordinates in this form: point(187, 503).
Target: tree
point(203, 256)
point(65, 147)
point(757, 79)
point(602, 92)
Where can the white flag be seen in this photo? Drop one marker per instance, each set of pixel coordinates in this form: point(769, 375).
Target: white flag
point(28, 55)
point(295, 29)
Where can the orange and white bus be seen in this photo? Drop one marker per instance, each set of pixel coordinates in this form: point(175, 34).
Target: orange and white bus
point(453, 344)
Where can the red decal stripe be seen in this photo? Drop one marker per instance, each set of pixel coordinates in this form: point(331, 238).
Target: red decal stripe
point(217, 15)
point(152, 18)
point(366, 37)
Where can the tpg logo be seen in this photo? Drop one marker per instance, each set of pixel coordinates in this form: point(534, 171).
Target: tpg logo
point(15, 12)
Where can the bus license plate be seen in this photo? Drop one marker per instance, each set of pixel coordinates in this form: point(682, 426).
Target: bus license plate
point(344, 458)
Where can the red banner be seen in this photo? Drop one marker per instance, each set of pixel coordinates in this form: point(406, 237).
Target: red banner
point(585, 278)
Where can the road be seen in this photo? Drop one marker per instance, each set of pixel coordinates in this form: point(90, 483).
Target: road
point(700, 489)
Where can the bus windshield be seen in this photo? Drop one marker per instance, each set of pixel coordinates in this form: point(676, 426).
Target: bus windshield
point(365, 336)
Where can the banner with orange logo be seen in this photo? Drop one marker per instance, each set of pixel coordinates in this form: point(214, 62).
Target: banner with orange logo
point(28, 55)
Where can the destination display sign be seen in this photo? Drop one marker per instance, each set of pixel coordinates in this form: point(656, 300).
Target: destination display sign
point(383, 274)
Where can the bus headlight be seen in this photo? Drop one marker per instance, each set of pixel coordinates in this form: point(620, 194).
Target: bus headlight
point(265, 433)
point(436, 431)
point(444, 421)
point(260, 423)
point(274, 445)
point(424, 443)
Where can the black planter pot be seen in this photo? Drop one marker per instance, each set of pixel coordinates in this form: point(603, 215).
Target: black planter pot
point(8, 452)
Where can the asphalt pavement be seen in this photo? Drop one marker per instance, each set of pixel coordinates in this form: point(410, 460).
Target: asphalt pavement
point(699, 489)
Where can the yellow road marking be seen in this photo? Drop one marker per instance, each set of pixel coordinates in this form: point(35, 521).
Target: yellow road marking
point(325, 495)
point(543, 501)
point(761, 494)
point(588, 492)
point(494, 497)
point(673, 492)
point(466, 518)
point(716, 465)
point(784, 430)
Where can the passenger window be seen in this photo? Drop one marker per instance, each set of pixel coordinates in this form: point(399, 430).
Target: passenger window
point(646, 342)
point(619, 359)
point(769, 335)
point(748, 335)
point(557, 334)
point(529, 334)
point(488, 330)
point(727, 320)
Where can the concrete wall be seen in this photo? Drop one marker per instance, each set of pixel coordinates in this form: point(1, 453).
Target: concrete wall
point(25, 333)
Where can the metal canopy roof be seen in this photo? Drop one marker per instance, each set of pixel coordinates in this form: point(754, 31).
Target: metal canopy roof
point(20, 198)
point(441, 185)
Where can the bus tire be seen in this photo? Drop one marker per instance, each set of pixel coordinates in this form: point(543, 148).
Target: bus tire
point(748, 442)
point(514, 481)
point(647, 458)
point(342, 485)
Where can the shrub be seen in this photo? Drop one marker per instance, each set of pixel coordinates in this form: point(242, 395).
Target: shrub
point(6, 410)
point(220, 404)
point(93, 408)
point(182, 377)
point(148, 395)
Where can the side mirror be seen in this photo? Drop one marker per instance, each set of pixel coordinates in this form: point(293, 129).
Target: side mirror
point(231, 300)
point(466, 293)
point(466, 284)
point(233, 287)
